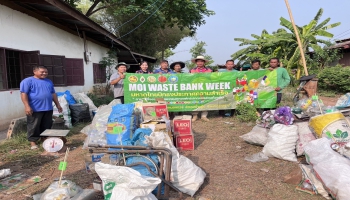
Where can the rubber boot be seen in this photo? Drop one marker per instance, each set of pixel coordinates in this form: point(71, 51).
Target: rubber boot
point(204, 116)
point(194, 116)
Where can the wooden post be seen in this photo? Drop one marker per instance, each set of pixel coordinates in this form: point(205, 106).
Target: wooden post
point(298, 38)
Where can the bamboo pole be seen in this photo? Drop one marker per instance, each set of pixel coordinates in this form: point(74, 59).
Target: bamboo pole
point(64, 160)
point(298, 38)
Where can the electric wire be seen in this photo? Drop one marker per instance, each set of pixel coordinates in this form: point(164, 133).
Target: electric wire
point(143, 21)
point(137, 14)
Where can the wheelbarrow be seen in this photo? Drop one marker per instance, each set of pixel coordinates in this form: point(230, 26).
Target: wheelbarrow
point(124, 152)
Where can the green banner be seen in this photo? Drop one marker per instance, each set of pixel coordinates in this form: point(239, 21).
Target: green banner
point(203, 91)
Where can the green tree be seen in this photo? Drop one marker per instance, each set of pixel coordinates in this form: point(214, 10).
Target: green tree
point(108, 63)
point(161, 55)
point(148, 26)
point(199, 50)
point(309, 36)
point(283, 44)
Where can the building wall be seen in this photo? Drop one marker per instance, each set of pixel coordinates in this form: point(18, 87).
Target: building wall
point(22, 32)
point(345, 60)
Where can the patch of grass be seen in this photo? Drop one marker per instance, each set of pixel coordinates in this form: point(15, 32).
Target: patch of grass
point(326, 93)
point(17, 148)
point(100, 99)
point(77, 128)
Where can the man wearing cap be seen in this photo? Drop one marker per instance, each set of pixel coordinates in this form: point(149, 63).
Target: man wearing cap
point(163, 68)
point(200, 68)
point(177, 66)
point(117, 80)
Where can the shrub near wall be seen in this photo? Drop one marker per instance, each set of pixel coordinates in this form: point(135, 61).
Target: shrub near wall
point(335, 78)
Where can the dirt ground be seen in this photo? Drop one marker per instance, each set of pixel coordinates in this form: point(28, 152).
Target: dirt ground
point(218, 151)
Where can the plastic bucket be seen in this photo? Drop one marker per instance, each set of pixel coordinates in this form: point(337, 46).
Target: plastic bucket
point(330, 122)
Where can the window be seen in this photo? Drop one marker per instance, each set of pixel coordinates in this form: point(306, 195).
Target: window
point(13, 68)
point(99, 73)
point(16, 65)
point(55, 68)
point(74, 71)
point(2, 71)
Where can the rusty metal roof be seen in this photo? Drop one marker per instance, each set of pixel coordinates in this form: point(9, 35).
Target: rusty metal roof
point(342, 44)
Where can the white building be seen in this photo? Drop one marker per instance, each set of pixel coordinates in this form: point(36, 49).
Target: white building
point(53, 34)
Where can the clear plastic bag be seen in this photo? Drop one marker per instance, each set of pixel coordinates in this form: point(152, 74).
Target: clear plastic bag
point(332, 168)
point(66, 190)
point(257, 157)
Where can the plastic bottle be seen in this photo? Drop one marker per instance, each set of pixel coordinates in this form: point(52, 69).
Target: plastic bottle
point(255, 95)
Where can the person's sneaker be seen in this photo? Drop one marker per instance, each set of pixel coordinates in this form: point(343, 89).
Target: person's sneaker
point(205, 119)
point(194, 118)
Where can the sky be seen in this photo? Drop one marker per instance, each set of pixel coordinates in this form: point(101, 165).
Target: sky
point(241, 18)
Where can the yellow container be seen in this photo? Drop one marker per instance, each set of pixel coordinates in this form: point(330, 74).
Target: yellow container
point(319, 123)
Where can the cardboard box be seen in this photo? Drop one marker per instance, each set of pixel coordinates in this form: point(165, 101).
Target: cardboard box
point(185, 142)
point(158, 126)
point(93, 158)
point(182, 125)
point(154, 111)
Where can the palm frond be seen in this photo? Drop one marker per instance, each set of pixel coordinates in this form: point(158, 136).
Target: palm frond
point(331, 26)
point(287, 24)
point(318, 15)
point(308, 28)
point(255, 36)
point(320, 25)
point(326, 42)
point(243, 52)
point(324, 33)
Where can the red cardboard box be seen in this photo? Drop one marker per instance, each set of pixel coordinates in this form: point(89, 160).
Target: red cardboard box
point(154, 111)
point(185, 142)
point(182, 125)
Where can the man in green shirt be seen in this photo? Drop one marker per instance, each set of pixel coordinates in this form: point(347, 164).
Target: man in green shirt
point(283, 78)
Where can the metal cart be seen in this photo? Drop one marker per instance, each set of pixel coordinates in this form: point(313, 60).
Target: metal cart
point(124, 152)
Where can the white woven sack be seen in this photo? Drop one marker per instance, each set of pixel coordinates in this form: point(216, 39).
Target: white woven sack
point(281, 142)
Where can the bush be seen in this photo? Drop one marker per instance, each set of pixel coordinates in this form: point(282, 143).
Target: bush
point(246, 112)
point(100, 99)
point(335, 79)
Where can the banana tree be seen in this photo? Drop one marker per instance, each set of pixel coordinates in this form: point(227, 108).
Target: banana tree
point(308, 35)
point(255, 48)
point(266, 46)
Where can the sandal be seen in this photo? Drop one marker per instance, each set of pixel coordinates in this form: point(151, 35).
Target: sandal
point(34, 147)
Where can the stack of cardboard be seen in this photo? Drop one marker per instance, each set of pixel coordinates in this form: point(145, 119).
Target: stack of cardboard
point(152, 114)
point(183, 132)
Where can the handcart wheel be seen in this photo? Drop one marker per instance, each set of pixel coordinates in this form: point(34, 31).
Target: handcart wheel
point(121, 161)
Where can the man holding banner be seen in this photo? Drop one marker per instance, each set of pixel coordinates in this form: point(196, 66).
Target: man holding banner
point(117, 80)
point(229, 68)
point(200, 68)
point(283, 78)
point(163, 68)
point(201, 90)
